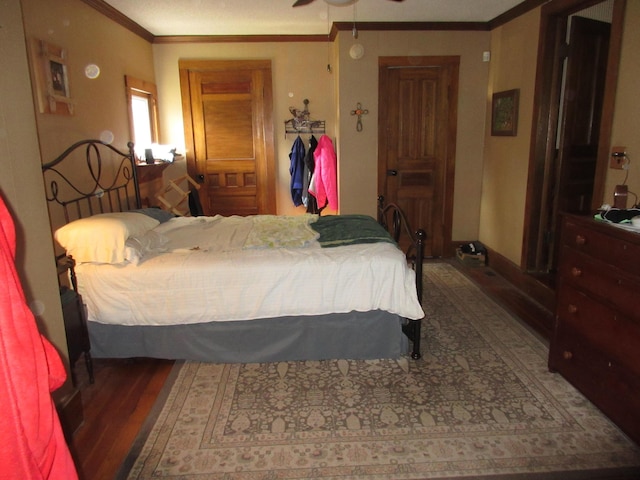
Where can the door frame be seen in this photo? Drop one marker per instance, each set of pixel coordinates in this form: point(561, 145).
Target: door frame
point(450, 156)
point(553, 22)
point(267, 193)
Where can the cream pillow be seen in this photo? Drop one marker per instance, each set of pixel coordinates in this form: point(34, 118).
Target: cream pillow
point(101, 238)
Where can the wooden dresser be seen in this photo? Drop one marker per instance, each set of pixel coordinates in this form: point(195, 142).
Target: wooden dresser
point(596, 340)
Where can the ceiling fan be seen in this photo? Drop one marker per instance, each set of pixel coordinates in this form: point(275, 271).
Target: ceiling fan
point(336, 3)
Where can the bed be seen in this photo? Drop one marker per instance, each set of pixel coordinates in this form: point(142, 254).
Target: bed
point(229, 289)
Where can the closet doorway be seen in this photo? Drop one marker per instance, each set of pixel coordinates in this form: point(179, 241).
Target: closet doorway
point(227, 113)
point(573, 119)
point(418, 98)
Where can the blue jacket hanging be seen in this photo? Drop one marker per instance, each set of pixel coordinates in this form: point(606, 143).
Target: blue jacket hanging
point(296, 170)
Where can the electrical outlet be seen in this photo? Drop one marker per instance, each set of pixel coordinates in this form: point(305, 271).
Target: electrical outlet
point(618, 157)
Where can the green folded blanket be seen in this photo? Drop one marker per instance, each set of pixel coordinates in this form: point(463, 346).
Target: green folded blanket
point(339, 230)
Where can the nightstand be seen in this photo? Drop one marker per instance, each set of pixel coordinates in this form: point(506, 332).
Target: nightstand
point(75, 322)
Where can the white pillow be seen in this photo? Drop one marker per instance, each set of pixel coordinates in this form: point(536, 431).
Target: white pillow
point(101, 238)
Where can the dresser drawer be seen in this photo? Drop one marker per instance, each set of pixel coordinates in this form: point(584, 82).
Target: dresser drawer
point(583, 320)
point(610, 386)
point(617, 246)
point(613, 286)
point(596, 340)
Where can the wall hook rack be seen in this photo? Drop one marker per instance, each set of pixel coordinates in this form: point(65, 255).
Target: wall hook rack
point(301, 121)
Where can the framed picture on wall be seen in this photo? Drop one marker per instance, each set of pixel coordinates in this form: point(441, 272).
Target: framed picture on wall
point(504, 113)
point(52, 79)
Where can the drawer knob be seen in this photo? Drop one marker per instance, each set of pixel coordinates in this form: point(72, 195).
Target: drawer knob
point(572, 308)
point(581, 240)
point(576, 272)
point(567, 355)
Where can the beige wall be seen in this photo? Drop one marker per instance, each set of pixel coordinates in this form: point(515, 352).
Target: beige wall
point(506, 159)
point(89, 38)
point(30, 138)
point(490, 171)
point(626, 124)
point(358, 82)
point(299, 71)
point(21, 181)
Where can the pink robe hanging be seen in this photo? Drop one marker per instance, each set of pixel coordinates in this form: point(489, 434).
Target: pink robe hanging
point(324, 183)
point(33, 445)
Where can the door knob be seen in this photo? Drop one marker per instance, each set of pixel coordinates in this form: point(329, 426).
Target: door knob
point(200, 178)
point(392, 173)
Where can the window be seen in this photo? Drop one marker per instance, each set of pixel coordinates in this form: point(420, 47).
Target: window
point(143, 113)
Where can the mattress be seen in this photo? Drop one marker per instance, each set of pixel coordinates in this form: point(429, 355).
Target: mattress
point(229, 269)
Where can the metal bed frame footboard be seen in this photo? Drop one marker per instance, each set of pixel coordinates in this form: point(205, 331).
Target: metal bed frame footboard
point(415, 255)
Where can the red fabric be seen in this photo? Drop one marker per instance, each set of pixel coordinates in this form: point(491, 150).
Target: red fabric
point(32, 444)
point(324, 183)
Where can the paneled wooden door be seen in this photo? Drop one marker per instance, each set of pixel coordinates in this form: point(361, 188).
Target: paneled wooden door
point(416, 142)
point(227, 112)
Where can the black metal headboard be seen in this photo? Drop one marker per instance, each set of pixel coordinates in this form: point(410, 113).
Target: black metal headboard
point(92, 177)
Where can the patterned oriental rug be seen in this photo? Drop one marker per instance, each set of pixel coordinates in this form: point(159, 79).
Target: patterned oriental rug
point(480, 404)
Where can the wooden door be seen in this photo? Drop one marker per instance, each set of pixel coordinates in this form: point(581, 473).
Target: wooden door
point(540, 227)
point(416, 149)
point(227, 109)
point(575, 167)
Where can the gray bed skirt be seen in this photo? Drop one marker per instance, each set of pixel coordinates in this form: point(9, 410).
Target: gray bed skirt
point(354, 335)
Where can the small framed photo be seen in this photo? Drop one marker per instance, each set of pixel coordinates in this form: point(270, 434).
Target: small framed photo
point(52, 79)
point(504, 113)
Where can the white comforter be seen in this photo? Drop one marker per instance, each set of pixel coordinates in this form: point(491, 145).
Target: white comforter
point(219, 269)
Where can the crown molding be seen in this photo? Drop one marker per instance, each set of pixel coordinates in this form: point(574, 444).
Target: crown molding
point(237, 38)
point(408, 26)
point(110, 12)
point(515, 12)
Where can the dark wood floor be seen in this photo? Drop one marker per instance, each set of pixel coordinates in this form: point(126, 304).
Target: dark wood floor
point(124, 392)
point(115, 407)
point(532, 313)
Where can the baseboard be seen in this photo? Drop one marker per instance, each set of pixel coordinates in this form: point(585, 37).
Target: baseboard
point(70, 412)
point(541, 293)
point(538, 291)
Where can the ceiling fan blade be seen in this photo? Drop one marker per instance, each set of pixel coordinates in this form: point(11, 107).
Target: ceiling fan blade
point(300, 3)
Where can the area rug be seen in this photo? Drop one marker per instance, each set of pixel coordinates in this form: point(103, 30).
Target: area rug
point(480, 404)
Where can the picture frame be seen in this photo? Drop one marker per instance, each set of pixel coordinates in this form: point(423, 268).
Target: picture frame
point(504, 113)
point(52, 78)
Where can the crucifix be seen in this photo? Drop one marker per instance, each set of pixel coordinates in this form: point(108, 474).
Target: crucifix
point(359, 111)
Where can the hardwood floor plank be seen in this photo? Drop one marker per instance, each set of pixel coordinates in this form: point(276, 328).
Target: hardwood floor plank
point(116, 429)
point(115, 407)
point(105, 428)
point(517, 302)
point(128, 430)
